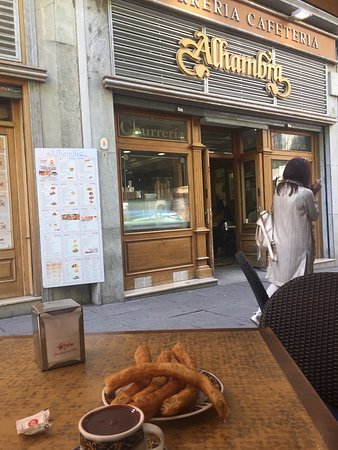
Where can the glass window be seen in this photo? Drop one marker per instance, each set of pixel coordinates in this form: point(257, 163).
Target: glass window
point(277, 167)
point(5, 109)
point(155, 190)
point(6, 238)
point(250, 196)
point(217, 139)
point(10, 48)
point(249, 140)
point(286, 141)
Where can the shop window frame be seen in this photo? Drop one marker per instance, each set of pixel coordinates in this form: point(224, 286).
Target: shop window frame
point(154, 199)
point(147, 144)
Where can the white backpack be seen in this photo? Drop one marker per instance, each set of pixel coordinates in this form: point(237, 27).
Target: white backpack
point(264, 235)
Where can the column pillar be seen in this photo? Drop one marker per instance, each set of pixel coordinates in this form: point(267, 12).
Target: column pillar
point(203, 269)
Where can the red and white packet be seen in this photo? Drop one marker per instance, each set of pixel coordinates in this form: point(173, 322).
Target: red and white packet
point(34, 424)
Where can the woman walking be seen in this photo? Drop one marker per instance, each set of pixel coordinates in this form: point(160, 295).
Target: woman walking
point(294, 209)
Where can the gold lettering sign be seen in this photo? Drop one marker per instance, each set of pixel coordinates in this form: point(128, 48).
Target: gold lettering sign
point(214, 53)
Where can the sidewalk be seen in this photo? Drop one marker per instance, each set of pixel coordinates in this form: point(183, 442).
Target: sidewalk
point(228, 304)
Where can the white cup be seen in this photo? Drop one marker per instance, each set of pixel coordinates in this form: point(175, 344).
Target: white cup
point(117, 426)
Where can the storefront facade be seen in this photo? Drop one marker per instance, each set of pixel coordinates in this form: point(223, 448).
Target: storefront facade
point(241, 108)
point(194, 108)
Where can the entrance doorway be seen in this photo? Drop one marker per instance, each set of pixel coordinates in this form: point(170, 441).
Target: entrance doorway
point(11, 253)
point(244, 166)
point(219, 142)
point(15, 252)
point(223, 210)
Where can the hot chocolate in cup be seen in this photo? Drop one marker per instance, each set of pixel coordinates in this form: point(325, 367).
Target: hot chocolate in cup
point(117, 426)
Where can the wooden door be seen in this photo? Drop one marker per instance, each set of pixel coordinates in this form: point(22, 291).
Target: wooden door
point(251, 200)
point(11, 261)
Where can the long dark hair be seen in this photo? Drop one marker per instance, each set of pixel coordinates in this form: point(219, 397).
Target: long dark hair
point(297, 172)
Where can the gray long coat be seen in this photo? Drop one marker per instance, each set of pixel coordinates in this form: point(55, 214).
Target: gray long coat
point(293, 216)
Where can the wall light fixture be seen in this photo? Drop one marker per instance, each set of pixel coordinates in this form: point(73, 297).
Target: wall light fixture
point(300, 14)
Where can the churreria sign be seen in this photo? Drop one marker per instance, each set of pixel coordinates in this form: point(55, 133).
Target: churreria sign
point(214, 53)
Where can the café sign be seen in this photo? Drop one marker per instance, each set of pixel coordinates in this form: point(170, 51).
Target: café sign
point(151, 127)
point(249, 18)
point(214, 53)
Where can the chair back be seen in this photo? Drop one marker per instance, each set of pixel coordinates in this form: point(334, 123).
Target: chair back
point(251, 275)
point(303, 313)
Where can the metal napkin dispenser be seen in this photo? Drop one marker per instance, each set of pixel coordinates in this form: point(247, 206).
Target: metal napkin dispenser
point(58, 333)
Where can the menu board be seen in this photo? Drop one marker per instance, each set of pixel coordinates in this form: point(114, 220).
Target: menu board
point(69, 215)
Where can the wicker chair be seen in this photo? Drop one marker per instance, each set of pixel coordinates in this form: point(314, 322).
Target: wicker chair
point(251, 275)
point(303, 314)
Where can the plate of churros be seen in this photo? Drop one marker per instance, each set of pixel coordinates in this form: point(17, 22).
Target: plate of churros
point(170, 388)
point(201, 403)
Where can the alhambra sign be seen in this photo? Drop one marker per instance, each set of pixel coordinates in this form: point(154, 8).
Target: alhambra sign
point(214, 53)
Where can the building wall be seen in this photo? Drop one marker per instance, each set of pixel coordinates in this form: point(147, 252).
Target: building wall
point(98, 52)
point(73, 44)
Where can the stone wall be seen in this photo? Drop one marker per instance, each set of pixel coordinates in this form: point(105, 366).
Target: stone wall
point(73, 44)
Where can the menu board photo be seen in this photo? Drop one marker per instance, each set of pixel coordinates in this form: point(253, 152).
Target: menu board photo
point(69, 216)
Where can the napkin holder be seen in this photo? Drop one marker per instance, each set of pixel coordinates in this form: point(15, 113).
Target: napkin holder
point(58, 333)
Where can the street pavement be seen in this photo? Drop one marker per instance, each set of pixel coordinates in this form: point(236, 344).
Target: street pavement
point(229, 304)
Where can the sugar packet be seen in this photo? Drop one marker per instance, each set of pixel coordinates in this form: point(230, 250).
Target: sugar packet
point(34, 424)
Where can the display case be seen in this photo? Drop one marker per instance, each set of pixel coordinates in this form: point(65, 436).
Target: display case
point(154, 190)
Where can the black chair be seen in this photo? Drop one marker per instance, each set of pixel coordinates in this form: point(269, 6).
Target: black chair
point(303, 313)
point(251, 275)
